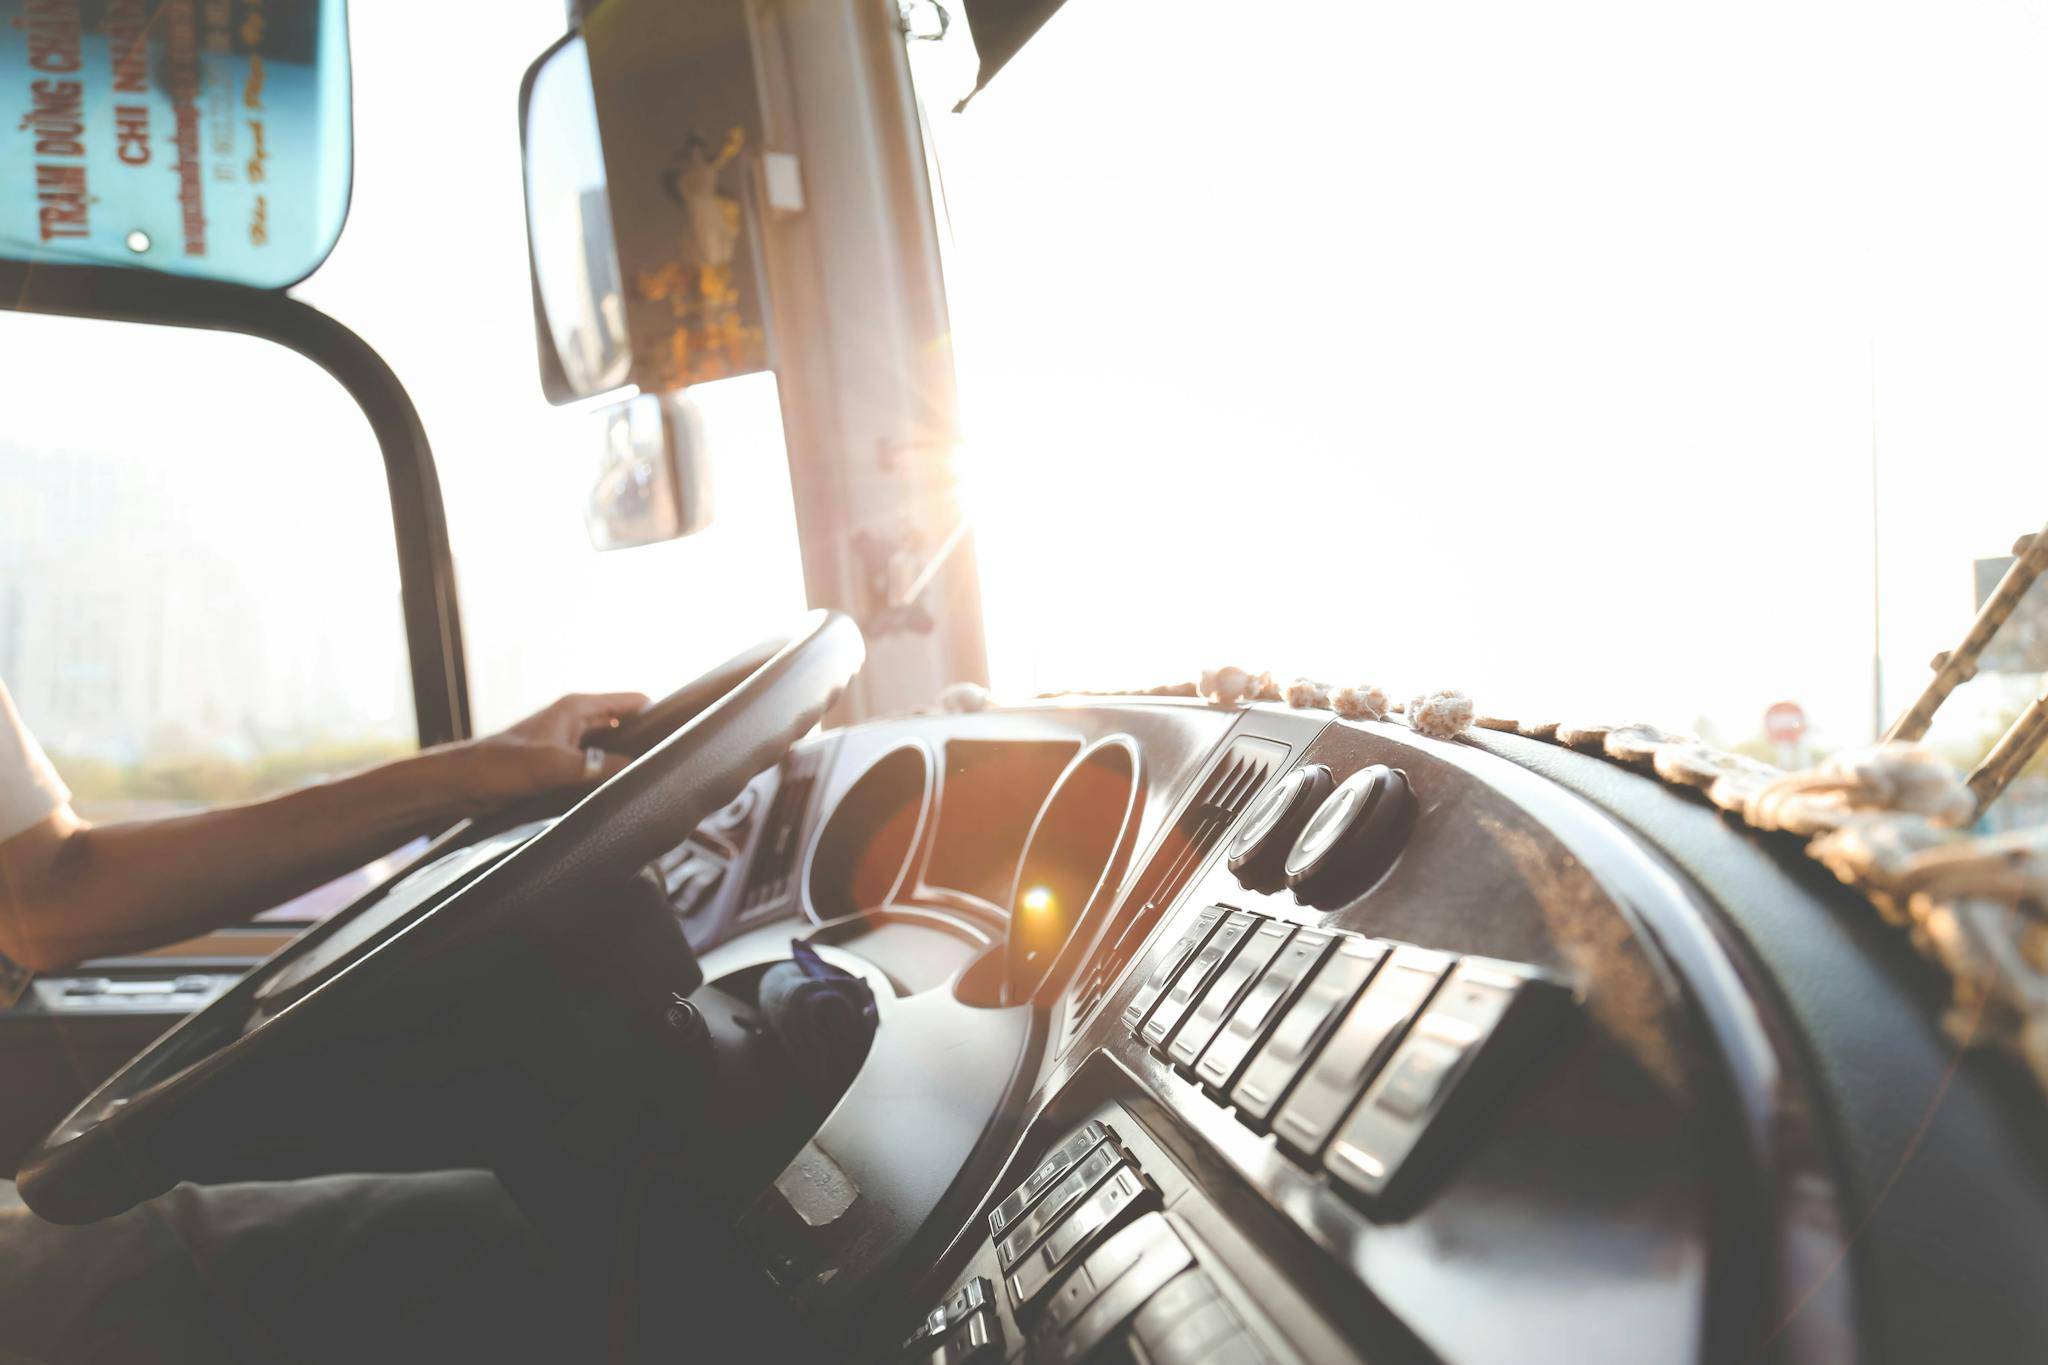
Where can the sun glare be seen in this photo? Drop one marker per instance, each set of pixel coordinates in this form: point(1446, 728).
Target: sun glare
point(1418, 361)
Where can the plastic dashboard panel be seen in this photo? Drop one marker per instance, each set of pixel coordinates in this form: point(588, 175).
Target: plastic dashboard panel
point(896, 1161)
point(1619, 1139)
point(1688, 1161)
point(1949, 1266)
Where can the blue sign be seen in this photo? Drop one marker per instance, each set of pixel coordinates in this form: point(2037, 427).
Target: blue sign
point(207, 138)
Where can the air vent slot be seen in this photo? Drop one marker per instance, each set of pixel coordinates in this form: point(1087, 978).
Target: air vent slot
point(768, 879)
point(1243, 771)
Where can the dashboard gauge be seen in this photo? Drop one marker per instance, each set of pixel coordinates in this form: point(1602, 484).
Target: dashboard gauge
point(1072, 858)
point(863, 854)
point(1257, 853)
point(989, 793)
point(1353, 837)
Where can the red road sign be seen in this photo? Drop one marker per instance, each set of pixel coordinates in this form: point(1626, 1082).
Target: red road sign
point(1785, 722)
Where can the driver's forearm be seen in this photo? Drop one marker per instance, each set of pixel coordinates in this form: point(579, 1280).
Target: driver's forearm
point(109, 889)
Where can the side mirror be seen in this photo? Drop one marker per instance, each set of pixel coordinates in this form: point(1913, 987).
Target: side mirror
point(653, 475)
point(640, 134)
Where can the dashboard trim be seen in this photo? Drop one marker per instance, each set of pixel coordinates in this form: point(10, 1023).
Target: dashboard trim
point(912, 855)
point(1109, 883)
point(1671, 919)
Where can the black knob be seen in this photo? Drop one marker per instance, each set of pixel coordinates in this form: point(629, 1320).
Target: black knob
point(1257, 853)
point(1353, 837)
point(687, 1027)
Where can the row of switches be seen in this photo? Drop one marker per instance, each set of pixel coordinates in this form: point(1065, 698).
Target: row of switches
point(1343, 1047)
point(962, 1328)
point(1089, 1264)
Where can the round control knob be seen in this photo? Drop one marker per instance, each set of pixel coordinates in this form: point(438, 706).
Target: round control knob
point(1258, 851)
point(1353, 837)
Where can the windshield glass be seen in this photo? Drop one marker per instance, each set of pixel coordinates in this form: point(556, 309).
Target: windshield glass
point(186, 632)
point(443, 297)
point(1435, 347)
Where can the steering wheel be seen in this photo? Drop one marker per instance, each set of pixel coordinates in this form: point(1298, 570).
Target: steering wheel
point(505, 926)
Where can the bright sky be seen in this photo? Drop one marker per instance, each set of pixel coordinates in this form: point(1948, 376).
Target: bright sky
point(1536, 350)
point(1533, 350)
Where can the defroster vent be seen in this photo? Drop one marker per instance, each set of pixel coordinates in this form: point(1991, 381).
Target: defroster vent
point(1182, 853)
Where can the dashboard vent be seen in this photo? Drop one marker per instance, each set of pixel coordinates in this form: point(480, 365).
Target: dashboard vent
point(1245, 768)
point(775, 856)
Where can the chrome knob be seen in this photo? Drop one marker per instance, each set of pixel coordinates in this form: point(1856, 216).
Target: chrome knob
point(1353, 837)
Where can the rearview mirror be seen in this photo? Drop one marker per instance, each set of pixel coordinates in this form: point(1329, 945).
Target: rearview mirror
point(653, 477)
point(203, 140)
point(640, 134)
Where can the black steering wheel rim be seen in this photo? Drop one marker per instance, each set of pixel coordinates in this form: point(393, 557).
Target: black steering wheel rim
point(133, 1137)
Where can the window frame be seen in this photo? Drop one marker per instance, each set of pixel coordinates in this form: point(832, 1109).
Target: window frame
point(426, 565)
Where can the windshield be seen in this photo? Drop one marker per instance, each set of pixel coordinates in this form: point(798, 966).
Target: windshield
point(1436, 347)
point(542, 612)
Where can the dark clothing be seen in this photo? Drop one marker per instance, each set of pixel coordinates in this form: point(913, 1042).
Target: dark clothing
point(352, 1268)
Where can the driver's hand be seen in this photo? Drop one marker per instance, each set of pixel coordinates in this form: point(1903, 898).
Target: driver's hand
point(548, 751)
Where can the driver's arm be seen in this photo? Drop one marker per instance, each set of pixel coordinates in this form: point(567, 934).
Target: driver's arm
point(71, 890)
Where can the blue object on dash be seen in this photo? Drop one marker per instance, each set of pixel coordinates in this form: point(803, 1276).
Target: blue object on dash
point(824, 1016)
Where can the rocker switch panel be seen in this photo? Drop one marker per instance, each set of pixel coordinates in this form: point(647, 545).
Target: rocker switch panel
point(1215, 955)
